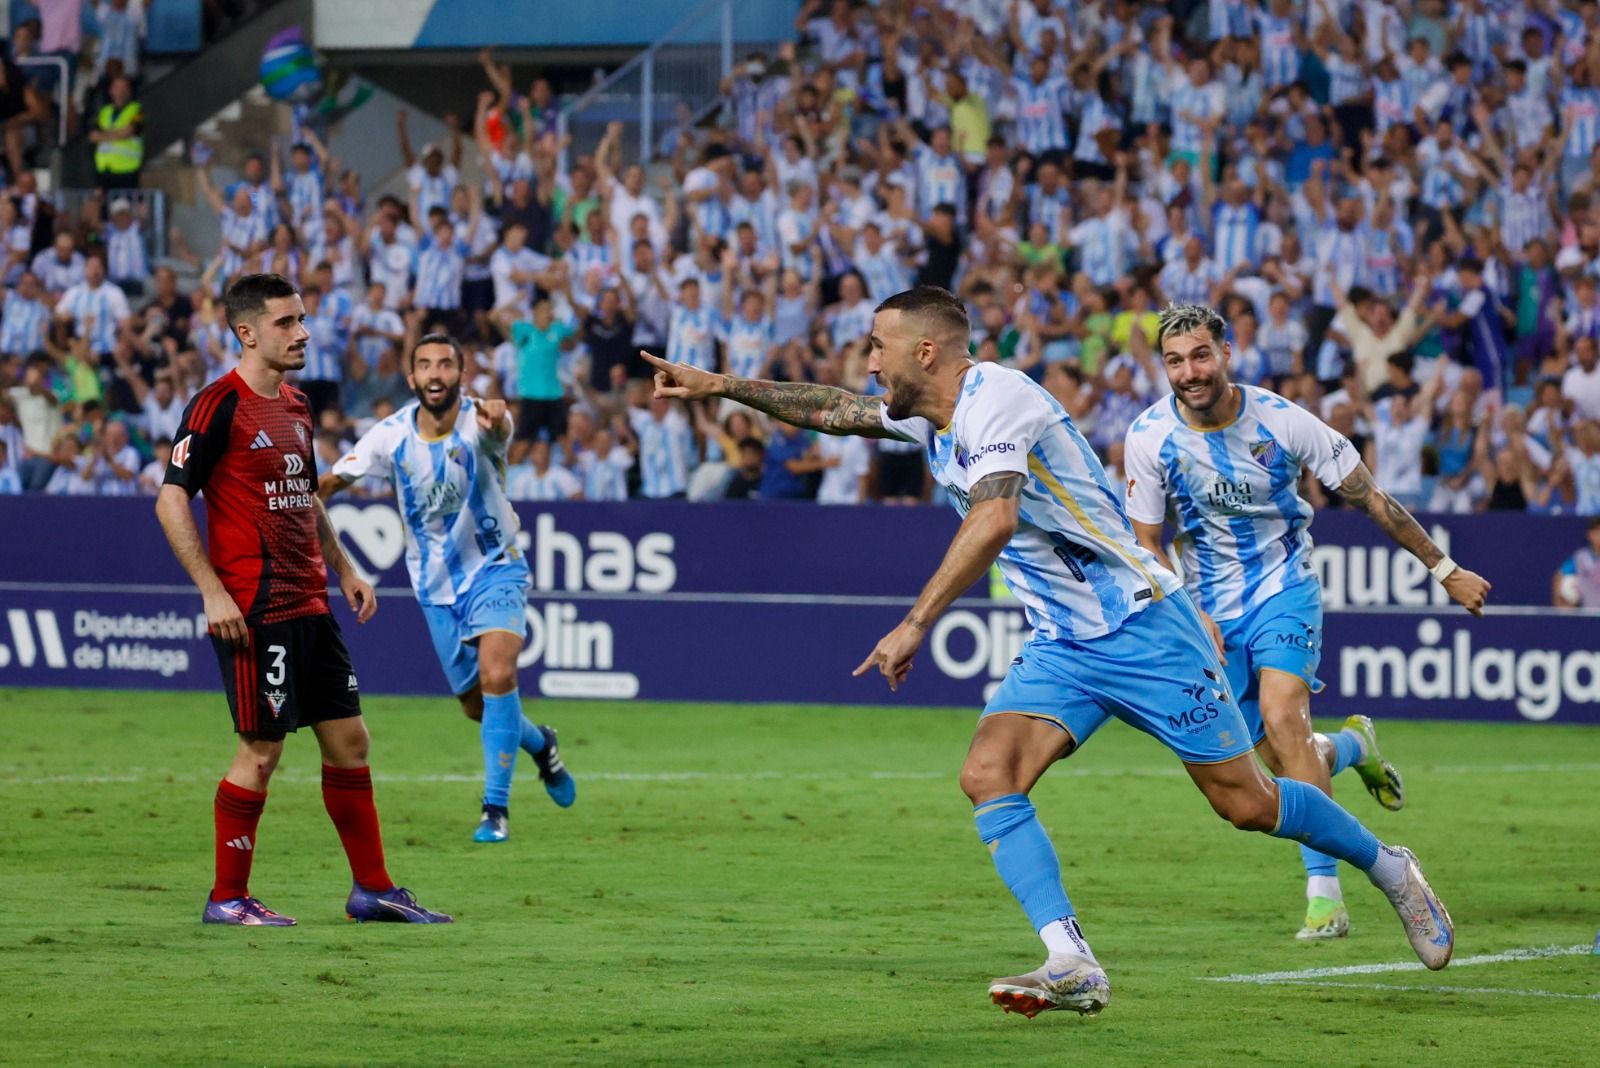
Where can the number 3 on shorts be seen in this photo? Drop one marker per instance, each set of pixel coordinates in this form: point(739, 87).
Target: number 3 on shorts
point(275, 672)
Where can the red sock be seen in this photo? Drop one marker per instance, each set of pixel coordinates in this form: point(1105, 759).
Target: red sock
point(348, 794)
point(236, 811)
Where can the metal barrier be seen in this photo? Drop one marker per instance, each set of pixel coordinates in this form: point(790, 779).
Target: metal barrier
point(151, 204)
point(676, 80)
point(63, 89)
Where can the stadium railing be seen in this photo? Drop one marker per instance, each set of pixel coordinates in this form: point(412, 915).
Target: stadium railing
point(151, 204)
point(677, 78)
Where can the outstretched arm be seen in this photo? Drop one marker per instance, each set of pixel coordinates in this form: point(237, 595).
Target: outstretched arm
point(990, 522)
point(1466, 588)
point(825, 408)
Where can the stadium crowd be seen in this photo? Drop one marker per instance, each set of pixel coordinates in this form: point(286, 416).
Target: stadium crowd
point(1396, 205)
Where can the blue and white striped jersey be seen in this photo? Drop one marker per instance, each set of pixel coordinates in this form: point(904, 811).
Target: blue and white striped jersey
point(125, 258)
point(240, 232)
point(745, 344)
point(1280, 56)
point(1093, 116)
point(1233, 231)
point(1346, 79)
point(1232, 494)
point(883, 270)
point(940, 180)
point(1580, 120)
point(1392, 103)
point(440, 270)
point(326, 347)
point(451, 497)
point(1073, 561)
point(305, 198)
point(666, 448)
point(97, 311)
point(1523, 216)
point(1341, 257)
point(23, 326)
point(1191, 103)
point(849, 322)
point(1040, 124)
point(1183, 284)
point(690, 337)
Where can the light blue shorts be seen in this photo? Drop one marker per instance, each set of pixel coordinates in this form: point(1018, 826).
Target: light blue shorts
point(1283, 633)
point(1157, 672)
point(497, 600)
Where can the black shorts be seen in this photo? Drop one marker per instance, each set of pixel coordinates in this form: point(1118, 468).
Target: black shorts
point(477, 294)
point(292, 674)
point(901, 474)
point(536, 416)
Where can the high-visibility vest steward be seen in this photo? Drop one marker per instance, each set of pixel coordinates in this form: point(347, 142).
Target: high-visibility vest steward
point(124, 156)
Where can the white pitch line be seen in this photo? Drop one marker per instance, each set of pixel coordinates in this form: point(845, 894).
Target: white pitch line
point(8, 776)
point(1528, 953)
point(1447, 989)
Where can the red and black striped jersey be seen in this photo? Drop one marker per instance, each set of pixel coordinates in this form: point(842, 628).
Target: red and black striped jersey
point(250, 456)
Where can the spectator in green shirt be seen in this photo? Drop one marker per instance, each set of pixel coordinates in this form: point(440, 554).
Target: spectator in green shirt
point(539, 346)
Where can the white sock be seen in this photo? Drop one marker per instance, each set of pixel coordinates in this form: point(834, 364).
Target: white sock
point(1389, 870)
point(1323, 886)
point(1064, 938)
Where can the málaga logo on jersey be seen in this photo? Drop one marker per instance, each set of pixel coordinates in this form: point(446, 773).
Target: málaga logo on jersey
point(293, 464)
point(1226, 494)
point(1265, 453)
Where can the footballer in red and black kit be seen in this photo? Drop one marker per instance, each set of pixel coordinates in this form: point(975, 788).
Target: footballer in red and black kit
point(250, 457)
point(245, 447)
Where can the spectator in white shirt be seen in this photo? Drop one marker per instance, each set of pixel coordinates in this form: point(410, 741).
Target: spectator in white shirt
point(1581, 384)
point(537, 479)
point(1395, 452)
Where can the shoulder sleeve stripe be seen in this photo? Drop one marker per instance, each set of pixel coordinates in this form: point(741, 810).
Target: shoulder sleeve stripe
point(205, 411)
point(201, 402)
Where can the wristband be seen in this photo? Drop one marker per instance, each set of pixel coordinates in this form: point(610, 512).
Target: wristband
point(1443, 569)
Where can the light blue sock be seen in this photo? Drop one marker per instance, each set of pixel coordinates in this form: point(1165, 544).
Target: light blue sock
point(1318, 863)
point(1024, 857)
point(1346, 750)
point(500, 733)
point(532, 736)
point(1311, 817)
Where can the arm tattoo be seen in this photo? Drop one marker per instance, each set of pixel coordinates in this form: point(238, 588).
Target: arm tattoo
point(1391, 516)
point(824, 408)
point(998, 486)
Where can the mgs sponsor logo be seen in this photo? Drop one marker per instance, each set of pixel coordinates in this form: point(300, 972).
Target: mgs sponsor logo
point(1206, 703)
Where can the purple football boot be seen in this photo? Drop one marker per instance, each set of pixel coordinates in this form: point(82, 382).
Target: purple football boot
point(243, 912)
point(396, 905)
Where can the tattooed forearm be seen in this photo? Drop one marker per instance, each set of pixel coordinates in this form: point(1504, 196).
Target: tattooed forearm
point(1391, 516)
point(824, 408)
point(998, 486)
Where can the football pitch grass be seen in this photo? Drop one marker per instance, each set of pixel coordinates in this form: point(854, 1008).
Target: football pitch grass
point(764, 885)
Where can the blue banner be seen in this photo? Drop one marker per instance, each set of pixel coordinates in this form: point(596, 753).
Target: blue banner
point(777, 602)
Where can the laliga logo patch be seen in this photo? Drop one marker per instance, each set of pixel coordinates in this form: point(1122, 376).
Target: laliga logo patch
point(180, 452)
point(275, 700)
